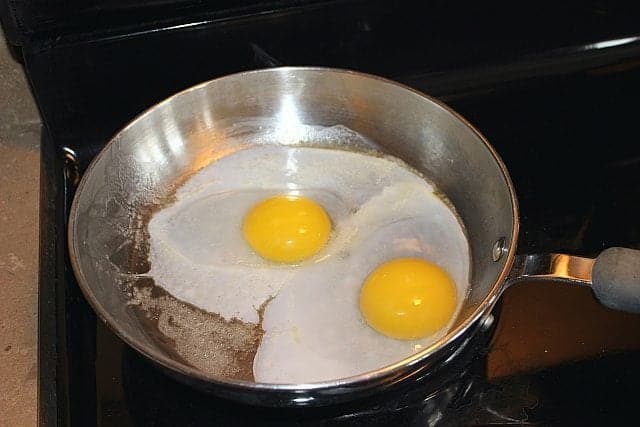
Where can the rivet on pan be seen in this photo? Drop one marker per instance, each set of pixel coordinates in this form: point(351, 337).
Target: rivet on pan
point(499, 249)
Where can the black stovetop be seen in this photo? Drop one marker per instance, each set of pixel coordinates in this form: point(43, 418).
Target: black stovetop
point(555, 94)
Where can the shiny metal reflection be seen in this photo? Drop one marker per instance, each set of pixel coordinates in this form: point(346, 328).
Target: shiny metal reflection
point(552, 267)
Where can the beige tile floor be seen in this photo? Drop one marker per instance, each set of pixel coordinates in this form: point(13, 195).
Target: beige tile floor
point(19, 193)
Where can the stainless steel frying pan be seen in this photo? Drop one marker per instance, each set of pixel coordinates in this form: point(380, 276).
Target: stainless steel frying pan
point(142, 165)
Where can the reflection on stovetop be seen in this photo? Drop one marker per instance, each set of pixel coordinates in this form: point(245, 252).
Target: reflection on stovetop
point(588, 392)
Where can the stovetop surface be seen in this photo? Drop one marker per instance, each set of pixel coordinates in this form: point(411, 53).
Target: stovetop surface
point(560, 108)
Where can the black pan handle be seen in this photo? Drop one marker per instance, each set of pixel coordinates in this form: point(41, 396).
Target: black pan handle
point(615, 279)
point(614, 275)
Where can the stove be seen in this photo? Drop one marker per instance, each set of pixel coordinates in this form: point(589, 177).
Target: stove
point(553, 87)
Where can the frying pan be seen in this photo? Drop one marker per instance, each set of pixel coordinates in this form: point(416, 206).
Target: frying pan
point(146, 161)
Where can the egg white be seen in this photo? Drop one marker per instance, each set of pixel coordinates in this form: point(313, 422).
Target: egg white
point(313, 328)
point(314, 331)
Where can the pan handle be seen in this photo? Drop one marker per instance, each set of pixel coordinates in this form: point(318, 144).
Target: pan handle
point(614, 275)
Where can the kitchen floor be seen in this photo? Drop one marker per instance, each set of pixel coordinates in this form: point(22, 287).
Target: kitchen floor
point(19, 200)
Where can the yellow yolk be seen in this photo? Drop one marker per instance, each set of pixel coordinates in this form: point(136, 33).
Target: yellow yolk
point(408, 298)
point(286, 228)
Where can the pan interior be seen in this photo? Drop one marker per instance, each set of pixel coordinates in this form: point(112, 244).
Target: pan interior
point(139, 171)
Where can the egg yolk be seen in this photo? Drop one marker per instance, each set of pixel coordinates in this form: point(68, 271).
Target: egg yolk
point(408, 298)
point(286, 228)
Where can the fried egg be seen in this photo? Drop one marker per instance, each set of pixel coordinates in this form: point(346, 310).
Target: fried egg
point(318, 305)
